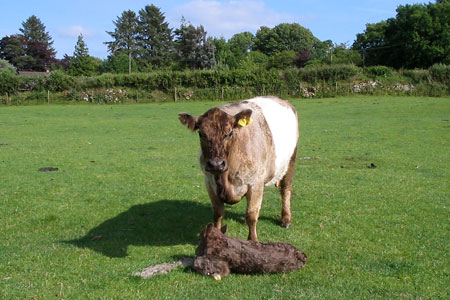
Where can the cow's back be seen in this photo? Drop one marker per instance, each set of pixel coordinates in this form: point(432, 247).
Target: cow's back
point(281, 118)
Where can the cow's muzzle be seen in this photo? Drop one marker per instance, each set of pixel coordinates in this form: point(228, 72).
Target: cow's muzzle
point(216, 165)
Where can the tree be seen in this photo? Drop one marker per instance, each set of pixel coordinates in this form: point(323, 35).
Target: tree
point(240, 44)
point(418, 37)
point(254, 60)
point(82, 64)
point(125, 37)
point(118, 63)
point(38, 43)
point(154, 37)
point(224, 56)
point(194, 49)
point(283, 37)
point(283, 59)
point(327, 52)
point(372, 43)
point(12, 49)
point(64, 63)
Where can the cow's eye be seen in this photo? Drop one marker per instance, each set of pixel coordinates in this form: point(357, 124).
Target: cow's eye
point(229, 135)
point(202, 135)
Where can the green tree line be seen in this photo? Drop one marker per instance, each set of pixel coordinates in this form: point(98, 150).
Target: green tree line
point(142, 41)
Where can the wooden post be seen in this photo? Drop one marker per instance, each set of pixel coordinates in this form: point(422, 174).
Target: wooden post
point(175, 94)
point(48, 96)
point(7, 98)
point(221, 95)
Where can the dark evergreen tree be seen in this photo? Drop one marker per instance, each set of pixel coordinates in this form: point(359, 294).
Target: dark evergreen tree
point(13, 49)
point(155, 37)
point(125, 37)
point(38, 44)
point(194, 50)
point(82, 64)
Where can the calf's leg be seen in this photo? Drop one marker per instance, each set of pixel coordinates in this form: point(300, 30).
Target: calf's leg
point(286, 192)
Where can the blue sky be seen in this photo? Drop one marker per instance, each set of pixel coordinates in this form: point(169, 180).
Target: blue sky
point(338, 21)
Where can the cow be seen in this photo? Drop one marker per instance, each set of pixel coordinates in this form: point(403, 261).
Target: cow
point(244, 147)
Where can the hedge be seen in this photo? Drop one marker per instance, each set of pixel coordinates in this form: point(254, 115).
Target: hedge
point(326, 78)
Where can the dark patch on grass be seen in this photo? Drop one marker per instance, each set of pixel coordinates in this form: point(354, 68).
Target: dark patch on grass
point(159, 223)
point(391, 267)
point(49, 219)
point(48, 169)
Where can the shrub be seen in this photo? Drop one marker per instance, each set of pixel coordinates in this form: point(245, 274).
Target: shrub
point(9, 82)
point(5, 65)
point(417, 75)
point(440, 73)
point(328, 73)
point(58, 81)
point(378, 71)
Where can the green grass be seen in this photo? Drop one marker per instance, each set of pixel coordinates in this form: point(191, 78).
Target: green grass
point(128, 175)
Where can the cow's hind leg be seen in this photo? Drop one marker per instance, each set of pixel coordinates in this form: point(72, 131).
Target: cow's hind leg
point(286, 192)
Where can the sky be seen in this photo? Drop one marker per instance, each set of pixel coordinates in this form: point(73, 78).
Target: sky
point(338, 20)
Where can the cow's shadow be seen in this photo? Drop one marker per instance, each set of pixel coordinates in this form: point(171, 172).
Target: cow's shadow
point(159, 223)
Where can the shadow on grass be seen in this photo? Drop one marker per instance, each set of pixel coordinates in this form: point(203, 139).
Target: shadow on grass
point(159, 223)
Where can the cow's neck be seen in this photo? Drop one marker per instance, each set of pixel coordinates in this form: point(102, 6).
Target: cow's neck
point(224, 189)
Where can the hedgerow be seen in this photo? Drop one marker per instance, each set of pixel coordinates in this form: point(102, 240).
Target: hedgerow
point(311, 81)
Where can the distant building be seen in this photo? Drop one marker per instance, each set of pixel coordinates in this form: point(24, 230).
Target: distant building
point(32, 73)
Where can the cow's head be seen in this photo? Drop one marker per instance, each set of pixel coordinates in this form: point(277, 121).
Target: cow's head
point(217, 131)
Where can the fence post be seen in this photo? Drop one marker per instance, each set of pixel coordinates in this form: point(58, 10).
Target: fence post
point(175, 94)
point(221, 95)
point(7, 98)
point(48, 96)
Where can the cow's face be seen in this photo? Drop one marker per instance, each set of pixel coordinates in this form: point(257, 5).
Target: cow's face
point(217, 131)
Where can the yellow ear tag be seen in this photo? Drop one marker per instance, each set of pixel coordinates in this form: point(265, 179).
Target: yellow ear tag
point(245, 122)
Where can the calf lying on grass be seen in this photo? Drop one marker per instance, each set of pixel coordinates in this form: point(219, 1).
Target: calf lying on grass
point(218, 255)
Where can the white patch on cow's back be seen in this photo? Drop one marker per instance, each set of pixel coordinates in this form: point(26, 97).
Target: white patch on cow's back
point(283, 125)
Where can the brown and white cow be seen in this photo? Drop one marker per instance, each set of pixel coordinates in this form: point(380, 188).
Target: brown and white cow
point(245, 146)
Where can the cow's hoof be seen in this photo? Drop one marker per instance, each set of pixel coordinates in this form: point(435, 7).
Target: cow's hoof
point(285, 225)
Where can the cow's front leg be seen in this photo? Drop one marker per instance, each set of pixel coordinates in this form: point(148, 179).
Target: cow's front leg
point(219, 212)
point(217, 205)
point(254, 200)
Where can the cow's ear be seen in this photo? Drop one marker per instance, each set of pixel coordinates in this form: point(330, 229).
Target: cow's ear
point(188, 120)
point(243, 118)
point(224, 229)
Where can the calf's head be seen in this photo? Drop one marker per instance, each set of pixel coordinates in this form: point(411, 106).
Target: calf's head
point(217, 131)
point(210, 237)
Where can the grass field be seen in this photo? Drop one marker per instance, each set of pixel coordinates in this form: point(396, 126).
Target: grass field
point(129, 193)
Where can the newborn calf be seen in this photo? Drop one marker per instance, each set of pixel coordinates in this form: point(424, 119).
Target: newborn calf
point(218, 255)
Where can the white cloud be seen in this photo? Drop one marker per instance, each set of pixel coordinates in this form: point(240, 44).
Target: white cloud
point(225, 18)
point(74, 31)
